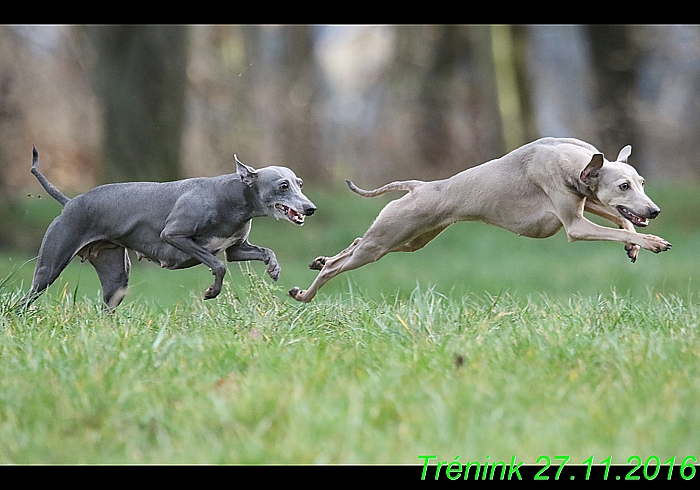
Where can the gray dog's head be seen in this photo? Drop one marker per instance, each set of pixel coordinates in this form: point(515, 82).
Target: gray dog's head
point(620, 188)
point(279, 192)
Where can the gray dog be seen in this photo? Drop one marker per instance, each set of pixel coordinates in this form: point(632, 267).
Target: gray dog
point(175, 224)
point(533, 191)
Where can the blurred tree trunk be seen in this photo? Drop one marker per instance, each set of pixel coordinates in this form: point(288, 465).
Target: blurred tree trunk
point(614, 58)
point(436, 97)
point(300, 131)
point(520, 40)
point(510, 96)
point(444, 77)
point(11, 123)
point(483, 105)
point(142, 81)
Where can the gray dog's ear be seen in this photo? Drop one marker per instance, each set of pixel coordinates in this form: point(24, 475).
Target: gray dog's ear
point(624, 154)
point(589, 175)
point(247, 174)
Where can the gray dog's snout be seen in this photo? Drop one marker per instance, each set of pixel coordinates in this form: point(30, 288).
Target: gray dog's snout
point(309, 210)
point(654, 212)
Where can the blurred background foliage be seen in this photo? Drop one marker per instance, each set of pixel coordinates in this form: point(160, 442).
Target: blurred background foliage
point(369, 103)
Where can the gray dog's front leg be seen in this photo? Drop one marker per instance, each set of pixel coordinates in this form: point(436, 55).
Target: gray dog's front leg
point(187, 245)
point(247, 251)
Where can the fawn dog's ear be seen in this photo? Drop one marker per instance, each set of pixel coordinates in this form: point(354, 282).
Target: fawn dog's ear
point(589, 175)
point(624, 154)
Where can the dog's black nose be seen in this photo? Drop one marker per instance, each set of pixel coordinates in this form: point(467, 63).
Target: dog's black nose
point(654, 212)
point(309, 210)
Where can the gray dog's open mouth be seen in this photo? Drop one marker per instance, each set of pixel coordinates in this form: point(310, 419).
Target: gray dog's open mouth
point(290, 214)
point(633, 218)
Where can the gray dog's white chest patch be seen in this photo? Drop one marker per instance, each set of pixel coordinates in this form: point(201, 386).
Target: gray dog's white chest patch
point(216, 244)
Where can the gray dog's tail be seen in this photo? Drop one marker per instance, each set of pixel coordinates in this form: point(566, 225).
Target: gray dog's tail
point(403, 185)
point(50, 188)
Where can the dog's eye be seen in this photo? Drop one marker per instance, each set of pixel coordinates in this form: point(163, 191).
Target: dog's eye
point(624, 186)
point(301, 184)
point(643, 182)
point(284, 185)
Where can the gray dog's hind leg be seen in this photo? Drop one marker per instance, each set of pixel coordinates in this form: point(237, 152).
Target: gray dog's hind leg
point(58, 247)
point(112, 266)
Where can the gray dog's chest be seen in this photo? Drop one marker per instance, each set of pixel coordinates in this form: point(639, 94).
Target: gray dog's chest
point(215, 244)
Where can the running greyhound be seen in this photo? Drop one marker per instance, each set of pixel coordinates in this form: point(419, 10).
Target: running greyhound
point(532, 191)
point(175, 224)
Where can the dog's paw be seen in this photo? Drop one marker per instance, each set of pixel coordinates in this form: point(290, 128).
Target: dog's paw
point(274, 270)
point(632, 251)
point(301, 295)
point(211, 292)
point(296, 293)
point(318, 263)
point(656, 244)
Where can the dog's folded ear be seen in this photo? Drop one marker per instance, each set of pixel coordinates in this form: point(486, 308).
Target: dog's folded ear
point(624, 154)
point(589, 175)
point(248, 174)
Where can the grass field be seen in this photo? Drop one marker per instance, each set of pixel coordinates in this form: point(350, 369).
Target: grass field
point(483, 344)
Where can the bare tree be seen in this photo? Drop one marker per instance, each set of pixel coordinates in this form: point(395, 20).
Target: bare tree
point(438, 94)
point(615, 58)
point(141, 75)
point(520, 40)
point(11, 120)
point(438, 100)
point(290, 99)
